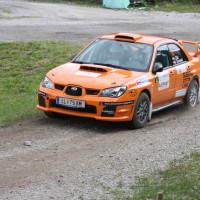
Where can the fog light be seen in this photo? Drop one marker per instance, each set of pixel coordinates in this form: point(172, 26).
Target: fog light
point(108, 111)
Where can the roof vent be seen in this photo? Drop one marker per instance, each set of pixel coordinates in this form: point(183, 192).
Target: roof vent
point(128, 36)
point(96, 69)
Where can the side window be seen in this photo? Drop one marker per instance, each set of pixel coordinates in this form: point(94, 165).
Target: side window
point(163, 56)
point(177, 54)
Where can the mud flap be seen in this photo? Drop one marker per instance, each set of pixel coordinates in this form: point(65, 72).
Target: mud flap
point(150, 112)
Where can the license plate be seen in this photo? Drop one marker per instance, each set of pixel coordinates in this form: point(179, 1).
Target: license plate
point(70, 102)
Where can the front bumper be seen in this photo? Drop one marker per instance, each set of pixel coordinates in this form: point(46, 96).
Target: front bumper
point(100, 108)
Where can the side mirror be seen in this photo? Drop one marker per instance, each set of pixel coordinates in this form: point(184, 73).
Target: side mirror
point(73, 56)
point(158, 67)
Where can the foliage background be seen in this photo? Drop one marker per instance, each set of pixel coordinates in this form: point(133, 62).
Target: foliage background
point(156, 1)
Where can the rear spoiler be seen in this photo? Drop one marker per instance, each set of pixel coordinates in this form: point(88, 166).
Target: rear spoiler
point(197, 44)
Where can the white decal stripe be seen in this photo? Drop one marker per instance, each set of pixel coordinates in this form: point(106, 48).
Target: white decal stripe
point(92, 74)
point(181, 69)
point(180, 93)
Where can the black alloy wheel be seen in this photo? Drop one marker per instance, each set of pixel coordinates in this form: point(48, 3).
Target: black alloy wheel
point(141, 111)
point(191, 98)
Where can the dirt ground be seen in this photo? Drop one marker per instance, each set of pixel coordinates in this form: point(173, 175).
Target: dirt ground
point(73, 158)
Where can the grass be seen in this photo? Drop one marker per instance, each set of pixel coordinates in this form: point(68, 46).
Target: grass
point(178, 7)
point(81, 3)
point(182, 7)
point(22, 68)
point(21, 17)
point(180, 181)
point(4, 10)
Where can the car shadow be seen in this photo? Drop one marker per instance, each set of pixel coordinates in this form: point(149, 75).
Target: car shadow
point(104, 127)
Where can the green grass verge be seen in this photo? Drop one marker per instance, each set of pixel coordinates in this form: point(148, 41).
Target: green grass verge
point(177, 7)
point(182, 7)
point(81, 3)
point(22, 68)
point(179, 181)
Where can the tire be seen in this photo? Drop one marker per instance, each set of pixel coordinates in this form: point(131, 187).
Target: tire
point(141, 111)
point(191, 98)
point(52, 114)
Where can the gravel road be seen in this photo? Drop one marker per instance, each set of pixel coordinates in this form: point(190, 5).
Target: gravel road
point(73, 158)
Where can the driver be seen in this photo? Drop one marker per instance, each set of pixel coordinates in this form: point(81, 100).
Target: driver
point(116, 54)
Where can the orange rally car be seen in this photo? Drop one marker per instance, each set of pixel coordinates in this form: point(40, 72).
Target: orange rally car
point(123, 77)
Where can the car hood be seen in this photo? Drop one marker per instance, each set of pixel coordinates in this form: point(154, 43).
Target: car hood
point(91, 76)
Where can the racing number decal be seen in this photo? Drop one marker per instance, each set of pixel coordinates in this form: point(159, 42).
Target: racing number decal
point(182, 69)
point(186, 79)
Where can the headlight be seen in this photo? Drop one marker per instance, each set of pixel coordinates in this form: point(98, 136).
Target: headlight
point(47, 83)
point(113, 92)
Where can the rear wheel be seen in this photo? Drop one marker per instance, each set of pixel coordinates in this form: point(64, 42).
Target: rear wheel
point(191, 98)
point(141, 111)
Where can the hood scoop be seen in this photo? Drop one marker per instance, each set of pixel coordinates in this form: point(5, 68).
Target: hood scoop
point(94, 69)
point(128, 36)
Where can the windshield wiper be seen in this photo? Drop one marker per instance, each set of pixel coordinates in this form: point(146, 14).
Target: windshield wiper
point(105, 64)
point(111, 65)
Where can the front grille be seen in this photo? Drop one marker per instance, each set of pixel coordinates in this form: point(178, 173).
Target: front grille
point(74, 91)
point(87, 109)
point(92, 92)
point(59, 87)
point(41, 101)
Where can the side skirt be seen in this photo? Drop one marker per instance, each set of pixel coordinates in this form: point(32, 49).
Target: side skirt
point(168, 105)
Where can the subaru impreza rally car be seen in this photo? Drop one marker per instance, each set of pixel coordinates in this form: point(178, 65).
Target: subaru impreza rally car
point(123, 77)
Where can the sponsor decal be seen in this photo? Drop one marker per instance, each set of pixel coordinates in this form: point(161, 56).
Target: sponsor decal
point(116, 103)
point(163, 80)
point(173, 60)
point(91, 74)
point(186, 78)
point(180, 93)
point(187, 74)
point(133, 93)
point(42, 93)
point(142, 80)
point(181, 69)
point(186, 82)
point(156, 78)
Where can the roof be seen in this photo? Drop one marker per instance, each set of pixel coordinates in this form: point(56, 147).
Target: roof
point(148, 39)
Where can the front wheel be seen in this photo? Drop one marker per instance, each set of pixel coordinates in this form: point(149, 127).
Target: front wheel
point(191, 98)
point(141, 111)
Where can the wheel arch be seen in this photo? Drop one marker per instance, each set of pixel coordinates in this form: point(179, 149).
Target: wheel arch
point(147, 92)
point(196, 77)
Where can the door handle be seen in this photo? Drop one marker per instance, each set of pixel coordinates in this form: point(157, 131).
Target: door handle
point(171, 73)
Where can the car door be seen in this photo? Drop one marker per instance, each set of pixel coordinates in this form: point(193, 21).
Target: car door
point(183, 70)
point(163, 91)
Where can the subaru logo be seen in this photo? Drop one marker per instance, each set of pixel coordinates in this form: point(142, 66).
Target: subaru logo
point(74, 88)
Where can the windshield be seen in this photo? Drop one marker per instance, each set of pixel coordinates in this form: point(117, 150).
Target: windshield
point(120, 54)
